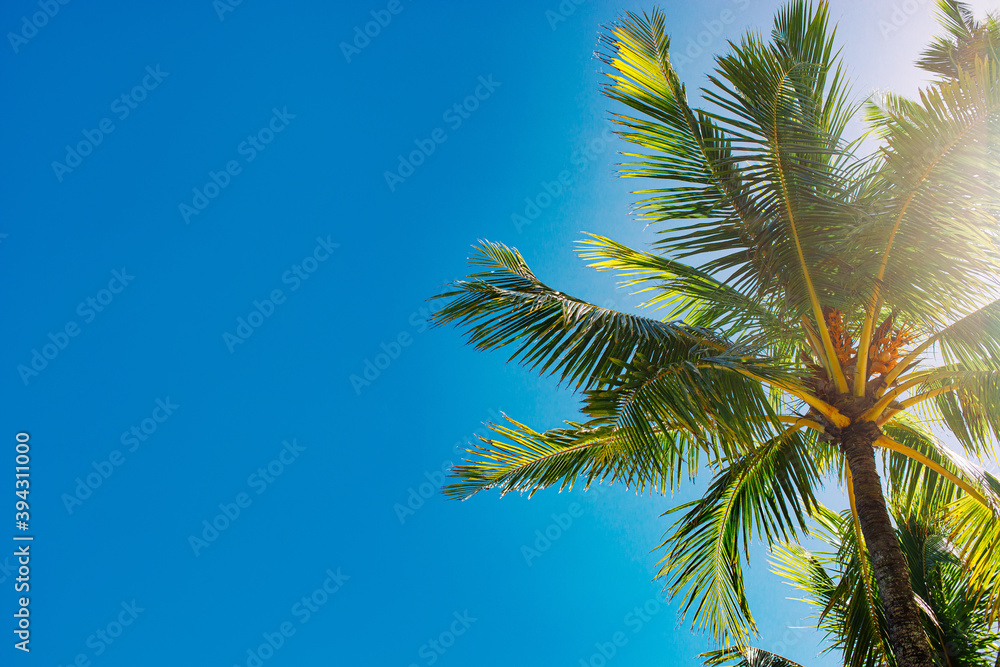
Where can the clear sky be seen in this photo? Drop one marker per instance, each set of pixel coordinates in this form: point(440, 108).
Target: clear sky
point(199, 247)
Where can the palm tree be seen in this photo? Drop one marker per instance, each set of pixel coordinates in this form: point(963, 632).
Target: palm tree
point(814, 298)
point(838, 582)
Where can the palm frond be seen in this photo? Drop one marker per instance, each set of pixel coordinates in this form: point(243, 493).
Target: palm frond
point(934, 204)
point(745, 656)
point(954, 614)
point(645, 424)
point(975, 530)
point(971, 410)
point(768, 492)
point(555, 332)
point(696, 297)
point(834, 582)
point(911, 481)
point(766, 178)
point(966, 40)
point(529, 460)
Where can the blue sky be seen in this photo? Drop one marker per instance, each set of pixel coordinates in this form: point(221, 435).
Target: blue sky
point(200, 247)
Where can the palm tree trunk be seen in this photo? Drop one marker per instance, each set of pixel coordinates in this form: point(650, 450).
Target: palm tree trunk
point(906, 632)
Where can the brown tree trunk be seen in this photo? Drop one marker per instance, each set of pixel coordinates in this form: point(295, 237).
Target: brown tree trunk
point(906, 632)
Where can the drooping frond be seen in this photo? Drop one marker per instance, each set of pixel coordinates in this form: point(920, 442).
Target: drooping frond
point(971, 410)
point(528, 460)
point(710, 397)
point(912, 482)
point(635, 370)
point(555, 332)
point(976, 532)
point(647, 422)
point(767, 493)
point(834, 583)
point(955, 615)
point(966, 399)
point(974, 339)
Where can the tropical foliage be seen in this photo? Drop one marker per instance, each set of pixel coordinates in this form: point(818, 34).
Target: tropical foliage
point(815, 303)
point(838, 583)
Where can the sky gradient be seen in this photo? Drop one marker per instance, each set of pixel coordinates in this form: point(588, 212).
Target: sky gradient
point(221, 222)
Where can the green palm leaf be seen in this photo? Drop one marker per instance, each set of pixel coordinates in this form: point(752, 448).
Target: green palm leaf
point(966, 40)
point(695, 296)
point(768, 492)
point(913, 483)
point(934, 194)
point(765, 175)
point(747, 656)
point(527, 460)
point(506, 304)
point(834, 583)
point(954, 615)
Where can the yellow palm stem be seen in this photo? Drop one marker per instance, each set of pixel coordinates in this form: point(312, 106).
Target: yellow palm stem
point(876, 410)
point(833, 414)
point(910, 358)
point(927, 394)
point(802, 422)
point(867, 330)
point(888, 443)
point(860, 372)
point(889, 413)
point(912, 376)
point(814, 343)
point(836, 372)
